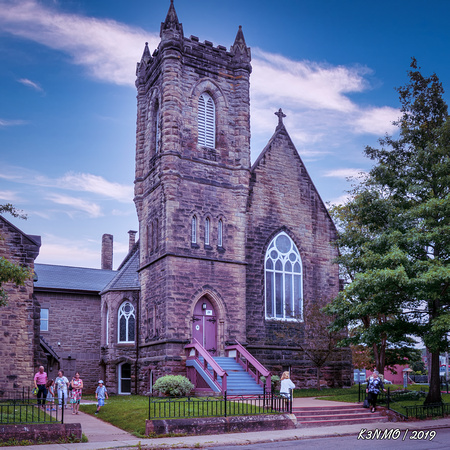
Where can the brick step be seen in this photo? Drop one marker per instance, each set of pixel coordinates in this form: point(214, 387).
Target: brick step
point(327, 411)
point(327, 423)
point(305, 418)
point(321, 408)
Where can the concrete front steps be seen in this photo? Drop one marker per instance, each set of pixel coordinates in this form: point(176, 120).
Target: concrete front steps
point(335, 415)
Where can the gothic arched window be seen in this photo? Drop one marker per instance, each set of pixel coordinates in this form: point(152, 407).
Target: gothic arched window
point(126, 322)
point(220, 233)
point(283, 280)
point(206, 121)
point(157, 130)
point(207, 227)
point(194, 230)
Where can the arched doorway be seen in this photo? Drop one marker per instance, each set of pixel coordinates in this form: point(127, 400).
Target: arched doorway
point(204, 326)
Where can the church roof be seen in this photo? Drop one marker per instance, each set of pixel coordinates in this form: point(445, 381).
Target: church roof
point(126, 277)
point(71, 278)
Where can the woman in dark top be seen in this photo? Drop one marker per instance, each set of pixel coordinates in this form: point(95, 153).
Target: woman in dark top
point(374, 387)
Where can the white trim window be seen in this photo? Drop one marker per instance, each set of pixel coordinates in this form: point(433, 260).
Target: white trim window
point(125, 379)
point(207, 227)
point(194, 230)
point(206, 121)
point(44, 319)
point(220, 233)
point(283, 280)
point(126, 323)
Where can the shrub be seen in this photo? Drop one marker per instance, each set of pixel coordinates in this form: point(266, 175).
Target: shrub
point(274, 380)
point(173, 385)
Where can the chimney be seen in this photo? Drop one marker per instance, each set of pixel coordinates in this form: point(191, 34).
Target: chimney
point(131, 240)
point(107, 251)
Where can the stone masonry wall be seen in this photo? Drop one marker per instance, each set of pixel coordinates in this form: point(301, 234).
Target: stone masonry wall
point(17, 332)
point(283, 198)
point(74, 334)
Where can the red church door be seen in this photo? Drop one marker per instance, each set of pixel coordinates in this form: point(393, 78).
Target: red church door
point(205, 325)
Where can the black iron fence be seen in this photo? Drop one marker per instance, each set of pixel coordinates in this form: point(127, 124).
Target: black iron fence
point(425, 411)
point(27, 410)
point(389, 399)
point(23, 393)
point(228, 405)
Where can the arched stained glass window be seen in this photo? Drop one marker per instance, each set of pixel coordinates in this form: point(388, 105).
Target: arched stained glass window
point(206, 121)
point(127, 322)
point(283, 280)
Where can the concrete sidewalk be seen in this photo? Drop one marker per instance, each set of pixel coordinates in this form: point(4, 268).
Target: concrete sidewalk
point(102, 435)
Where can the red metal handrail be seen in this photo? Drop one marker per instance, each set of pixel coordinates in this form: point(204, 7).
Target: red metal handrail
point(207, 359)
point(260, 370)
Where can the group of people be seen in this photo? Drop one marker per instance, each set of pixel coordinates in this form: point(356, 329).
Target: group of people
point(45, 391)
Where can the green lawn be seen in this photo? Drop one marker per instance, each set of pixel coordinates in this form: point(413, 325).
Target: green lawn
point(23, 413)
point(130, 412)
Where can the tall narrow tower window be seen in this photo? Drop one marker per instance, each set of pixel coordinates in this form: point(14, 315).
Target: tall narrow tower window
point(207, 231)
point(157, 131)
point(206, 121)
point(220, 234)
point(194, 230)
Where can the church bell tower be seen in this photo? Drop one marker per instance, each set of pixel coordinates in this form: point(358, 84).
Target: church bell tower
point(191, 191)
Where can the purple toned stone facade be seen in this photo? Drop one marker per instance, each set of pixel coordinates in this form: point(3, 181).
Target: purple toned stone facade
point(181, 185)
point(19, 319)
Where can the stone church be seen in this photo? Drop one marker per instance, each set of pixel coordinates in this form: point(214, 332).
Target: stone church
point(228, 254)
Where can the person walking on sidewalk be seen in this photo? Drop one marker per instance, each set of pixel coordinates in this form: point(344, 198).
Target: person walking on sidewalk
point(374, 387)
point(40, 380)
point(100, 394)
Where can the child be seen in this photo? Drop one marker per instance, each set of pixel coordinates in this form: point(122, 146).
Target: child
point(50, 395)
point(100, 394)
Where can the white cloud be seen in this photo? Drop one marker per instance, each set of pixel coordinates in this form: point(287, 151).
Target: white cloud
point(29, 83)
point(77, 204)
point(376, 120)
point(108, 49)
point(305, 83)
point(345, 173)
point(10, 196)
point(97, 185)
point(81, 182)
point(83, 253)
point(11, 123)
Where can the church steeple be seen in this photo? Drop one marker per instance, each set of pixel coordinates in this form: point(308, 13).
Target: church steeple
point(171, 26)
point(240, 51)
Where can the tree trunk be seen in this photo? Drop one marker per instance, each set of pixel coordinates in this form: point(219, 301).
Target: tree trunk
point(434, 393)
point(318, 378)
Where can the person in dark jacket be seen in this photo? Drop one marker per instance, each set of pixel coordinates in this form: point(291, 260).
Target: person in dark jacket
point(374, 387)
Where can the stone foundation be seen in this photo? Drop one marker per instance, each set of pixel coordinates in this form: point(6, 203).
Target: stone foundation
point(219, 425)
point(38, 433)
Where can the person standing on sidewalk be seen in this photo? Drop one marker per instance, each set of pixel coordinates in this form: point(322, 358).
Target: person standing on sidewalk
point(100, 394)
point(40, 380)
point(286, 385)
point(374, 387)
point(62, 384)
point(77, 386)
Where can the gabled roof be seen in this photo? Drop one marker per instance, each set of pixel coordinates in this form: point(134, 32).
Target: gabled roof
point(127, 277)
point(71, 278)
point(33, 239)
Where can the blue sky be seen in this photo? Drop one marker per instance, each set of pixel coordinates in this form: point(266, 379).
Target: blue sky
point(68, 101)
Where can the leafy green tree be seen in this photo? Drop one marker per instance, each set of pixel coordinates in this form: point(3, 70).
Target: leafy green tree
point(396, 230)
point(10, 272)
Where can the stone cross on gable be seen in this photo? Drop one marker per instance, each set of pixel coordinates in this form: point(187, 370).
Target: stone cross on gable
point(280, 115)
